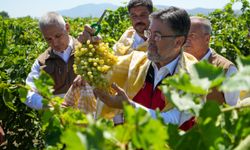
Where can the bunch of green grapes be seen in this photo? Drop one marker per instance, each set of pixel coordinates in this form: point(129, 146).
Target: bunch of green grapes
point(93, 61)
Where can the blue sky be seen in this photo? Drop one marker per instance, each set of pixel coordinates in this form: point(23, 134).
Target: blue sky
point(35, 8)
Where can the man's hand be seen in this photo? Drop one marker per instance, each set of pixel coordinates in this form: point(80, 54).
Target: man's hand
point(78, 81)
point(88, 34)
point(115, 101)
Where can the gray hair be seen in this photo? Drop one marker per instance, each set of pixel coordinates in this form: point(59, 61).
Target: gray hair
point(206, 24)
point(51, 18)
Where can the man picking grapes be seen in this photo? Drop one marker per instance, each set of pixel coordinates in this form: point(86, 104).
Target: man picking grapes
point(137, 76)
point(57, 60)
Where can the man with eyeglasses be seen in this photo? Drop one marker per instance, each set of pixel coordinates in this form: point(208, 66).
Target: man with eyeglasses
point(137, 76)
point(133, 38)
point(197, 44)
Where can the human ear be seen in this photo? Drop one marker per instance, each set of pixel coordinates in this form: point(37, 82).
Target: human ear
point(179, 41)
point(207, 38)
point(67, 26)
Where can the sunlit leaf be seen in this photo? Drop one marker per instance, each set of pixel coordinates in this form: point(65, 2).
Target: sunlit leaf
point(185, 102)
point(44, 84)
point(183, 82)
point(74, 140)
point(22, 94)
point(206, 75)
point(8, 99)
point(240, 81)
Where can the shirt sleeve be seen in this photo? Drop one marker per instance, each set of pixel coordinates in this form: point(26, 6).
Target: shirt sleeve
point(173, 116)
point(231, 97)
point(33, 99)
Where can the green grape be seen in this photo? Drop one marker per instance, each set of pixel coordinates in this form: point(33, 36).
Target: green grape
point(93, 61)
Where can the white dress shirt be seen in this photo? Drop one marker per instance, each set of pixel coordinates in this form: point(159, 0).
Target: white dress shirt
point(137, 40)
point(34, 100)
point(230, 97)
point(160, 74)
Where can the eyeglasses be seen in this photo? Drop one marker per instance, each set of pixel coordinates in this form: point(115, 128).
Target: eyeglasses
point(158, 36)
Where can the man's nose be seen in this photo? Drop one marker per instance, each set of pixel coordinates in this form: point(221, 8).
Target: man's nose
point(54, 42)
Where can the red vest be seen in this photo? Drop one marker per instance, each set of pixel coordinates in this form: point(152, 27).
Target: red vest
point(148, 96)
point(154, 98)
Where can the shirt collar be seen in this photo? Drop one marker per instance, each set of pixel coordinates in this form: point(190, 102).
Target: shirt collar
point(137, 40)
point(206, 57)
point(170, 66)
point(71, 44)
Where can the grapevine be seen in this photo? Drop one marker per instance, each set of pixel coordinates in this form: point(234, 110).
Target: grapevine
point(93, 61)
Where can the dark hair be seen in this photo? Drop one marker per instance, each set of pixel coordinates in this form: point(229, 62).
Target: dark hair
point(146, 3)
point(178, 19)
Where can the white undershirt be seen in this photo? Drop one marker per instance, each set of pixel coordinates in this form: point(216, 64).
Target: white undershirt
point(137, 40)
point(160, 74)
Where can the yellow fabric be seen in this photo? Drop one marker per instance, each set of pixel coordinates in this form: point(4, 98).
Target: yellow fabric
point(124, 44)
point(129, 73)
point(244, 94)
point(244, 98)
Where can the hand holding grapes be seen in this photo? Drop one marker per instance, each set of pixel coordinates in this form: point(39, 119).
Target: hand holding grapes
point(114, 101)
point(88, 34)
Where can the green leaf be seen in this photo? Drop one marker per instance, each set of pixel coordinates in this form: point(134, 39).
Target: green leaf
point(74, 140)
point(46, 116)
point(154, 128)
point(53, 131)
point(205, 134)
point(207, 123)
point(141, 128)
point(240, 81)
point(22, 94)
point(122, 133)
point(8, 99)
point(244, 144)
point(182, 82)
point(184, 102)
point(206, 75)
point(44, 84)
point(173, 135)
point(210, 109)
point(72, 116)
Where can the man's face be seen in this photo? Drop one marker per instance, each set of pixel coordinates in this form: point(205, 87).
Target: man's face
point(139, 17)
point(56, 37)
point(198, 41)
point(165, 49)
